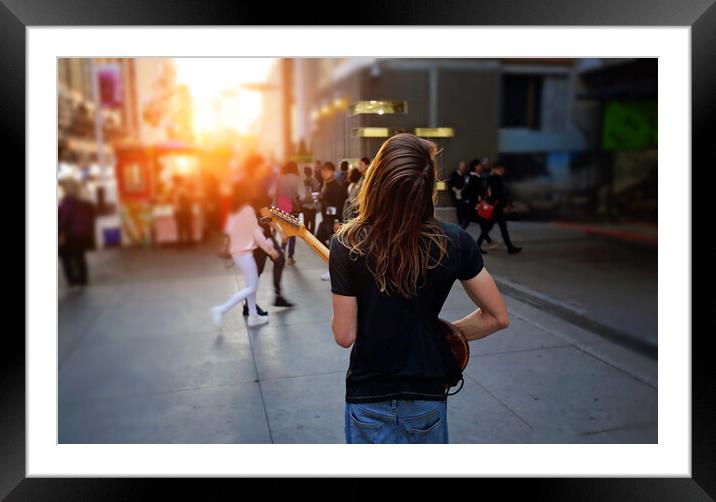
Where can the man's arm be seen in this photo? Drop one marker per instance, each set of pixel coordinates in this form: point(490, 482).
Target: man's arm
point(345, 319)
point(491, 314)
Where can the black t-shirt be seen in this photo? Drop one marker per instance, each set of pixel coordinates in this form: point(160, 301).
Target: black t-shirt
point(399, 352)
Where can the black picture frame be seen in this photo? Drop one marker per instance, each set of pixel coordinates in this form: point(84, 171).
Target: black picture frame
point(16, 15)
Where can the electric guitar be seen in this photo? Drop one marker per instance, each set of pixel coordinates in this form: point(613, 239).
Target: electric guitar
point(292, 227)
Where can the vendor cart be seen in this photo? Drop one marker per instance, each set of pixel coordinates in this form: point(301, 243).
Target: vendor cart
point(148, 178)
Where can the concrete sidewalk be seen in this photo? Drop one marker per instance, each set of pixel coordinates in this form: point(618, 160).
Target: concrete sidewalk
point(606, 286)
point(140, 362)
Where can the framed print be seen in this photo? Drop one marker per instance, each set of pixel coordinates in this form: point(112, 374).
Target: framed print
point(174, 124)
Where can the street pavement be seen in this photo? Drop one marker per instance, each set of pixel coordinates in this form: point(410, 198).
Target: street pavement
point(603, 284)
point(140, 361)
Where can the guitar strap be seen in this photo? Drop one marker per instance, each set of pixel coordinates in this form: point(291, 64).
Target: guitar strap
point(461, 383)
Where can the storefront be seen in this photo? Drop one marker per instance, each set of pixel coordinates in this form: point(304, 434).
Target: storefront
point(148, 178)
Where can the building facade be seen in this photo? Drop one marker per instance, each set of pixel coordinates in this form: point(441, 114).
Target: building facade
point(530, 115)
point(129, 99)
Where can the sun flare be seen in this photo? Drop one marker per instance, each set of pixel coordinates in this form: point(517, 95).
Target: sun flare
point(219, 101)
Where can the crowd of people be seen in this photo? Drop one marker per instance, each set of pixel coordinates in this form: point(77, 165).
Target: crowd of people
point(249, 241)
point(478, 191)
point(480, 195)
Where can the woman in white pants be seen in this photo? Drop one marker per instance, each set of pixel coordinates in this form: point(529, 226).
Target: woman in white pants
point(245, 235)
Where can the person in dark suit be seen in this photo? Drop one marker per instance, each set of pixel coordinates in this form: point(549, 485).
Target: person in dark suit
point(475, 190)
point(457, 183)
point(498, 195)
point(333, 197)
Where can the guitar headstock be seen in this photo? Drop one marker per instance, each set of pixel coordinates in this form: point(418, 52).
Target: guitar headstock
point(290, 225)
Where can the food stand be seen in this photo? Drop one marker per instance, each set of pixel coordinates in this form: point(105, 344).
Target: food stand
point(147, 179)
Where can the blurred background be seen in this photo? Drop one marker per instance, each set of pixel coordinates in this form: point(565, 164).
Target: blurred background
point(578, 136)
point(138, 358)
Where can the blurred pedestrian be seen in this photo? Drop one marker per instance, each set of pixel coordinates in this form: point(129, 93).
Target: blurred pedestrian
point(350, 209)
point(317, 165)
point(474, 193)
point(262, 180)
point(353, 179)
point(289, 194)
point(457, 183)
point(76, 233)
point(498, 196)
point(212, 203)
point(182, 211)
point(245, 235)
point(312, 189)
point(392, 268)
point(333, 197)
point(342, 174)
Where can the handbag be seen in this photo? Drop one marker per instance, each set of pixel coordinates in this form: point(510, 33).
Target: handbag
point(485, 210)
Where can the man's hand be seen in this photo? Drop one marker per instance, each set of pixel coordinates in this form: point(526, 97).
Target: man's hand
point(336, 226)
point(274, 254)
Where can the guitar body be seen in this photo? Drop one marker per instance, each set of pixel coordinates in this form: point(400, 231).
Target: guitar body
point(291, 227)
point(458, 343)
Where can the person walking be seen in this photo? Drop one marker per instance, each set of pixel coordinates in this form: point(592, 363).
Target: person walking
point(457, 183)
point(342, 173)
point(391, 271)
point(312, 189)
point(317, 165)
point(262, 180)
point(289, 193)
point(354, 177)
point(332, 198)
point(76, 233)
point(245, 235)
point(474, 192)
point(498, 195)
point(349, 209)
point(182, 212)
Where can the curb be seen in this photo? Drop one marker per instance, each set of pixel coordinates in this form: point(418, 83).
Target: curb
point(576, 316)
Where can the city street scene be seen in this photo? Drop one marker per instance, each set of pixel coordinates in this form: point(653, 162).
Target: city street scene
point(170, 332)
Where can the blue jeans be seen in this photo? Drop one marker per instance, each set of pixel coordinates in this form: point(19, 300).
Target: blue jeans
point(397, 421)
point(291, 246)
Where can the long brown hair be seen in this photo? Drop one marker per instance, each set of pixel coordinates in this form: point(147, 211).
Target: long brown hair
point(396, 225)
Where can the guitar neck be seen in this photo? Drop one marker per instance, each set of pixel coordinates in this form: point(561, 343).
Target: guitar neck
point(315, 244)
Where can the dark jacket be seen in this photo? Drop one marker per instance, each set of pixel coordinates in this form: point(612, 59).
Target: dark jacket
point(76, 222)
point(497, 192)
point(456, 180)
point(333, 195)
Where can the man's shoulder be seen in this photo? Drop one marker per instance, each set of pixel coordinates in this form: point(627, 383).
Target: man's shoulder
point(449, 228)
point(338, 250)
point(455, 233)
